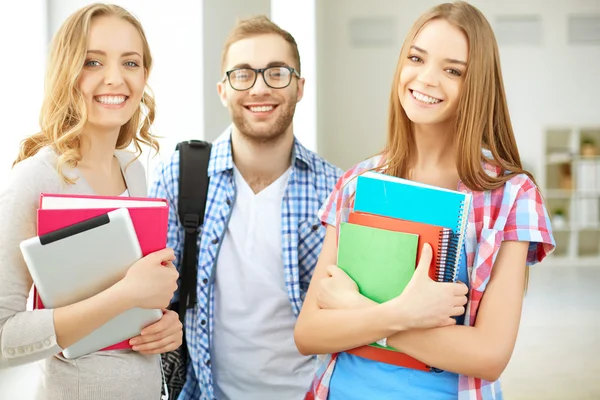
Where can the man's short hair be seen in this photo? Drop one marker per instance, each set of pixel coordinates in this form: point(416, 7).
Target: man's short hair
point(259, 25)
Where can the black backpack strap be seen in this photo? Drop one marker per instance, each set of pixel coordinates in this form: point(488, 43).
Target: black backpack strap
point(194, 156)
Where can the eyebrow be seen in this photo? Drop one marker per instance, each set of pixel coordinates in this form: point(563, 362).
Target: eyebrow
point(271, 64)
point(450, 60)
point(126, 54)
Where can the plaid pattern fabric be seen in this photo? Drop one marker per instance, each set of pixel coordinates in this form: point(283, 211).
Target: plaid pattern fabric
point(311, 181)
point(513, 212)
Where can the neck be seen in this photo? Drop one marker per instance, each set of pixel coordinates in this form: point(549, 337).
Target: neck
point(262, 161)
point(98, 149)
point(434, 147)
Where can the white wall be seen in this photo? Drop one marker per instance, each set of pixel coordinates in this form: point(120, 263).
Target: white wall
point(300, 22)
point(551, 84)
point(554, 84)
point(23, 43)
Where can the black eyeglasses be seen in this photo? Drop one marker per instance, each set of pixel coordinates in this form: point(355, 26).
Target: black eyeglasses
point(275, 77)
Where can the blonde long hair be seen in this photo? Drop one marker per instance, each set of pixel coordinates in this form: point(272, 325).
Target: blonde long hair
point(482, 115)
point(63, 114)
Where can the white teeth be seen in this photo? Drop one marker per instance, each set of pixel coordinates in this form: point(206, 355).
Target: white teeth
point(424, 99)
point(111, 99)
point(261, 108)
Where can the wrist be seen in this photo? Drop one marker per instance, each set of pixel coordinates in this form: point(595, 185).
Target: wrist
point(357, 300)
point(396, 314)
point(394, 341)
point(122, 295)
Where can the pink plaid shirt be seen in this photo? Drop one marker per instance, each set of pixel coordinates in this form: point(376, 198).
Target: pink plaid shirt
point(514, 211)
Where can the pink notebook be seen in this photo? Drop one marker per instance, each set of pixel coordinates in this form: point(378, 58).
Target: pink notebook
point(149, 216)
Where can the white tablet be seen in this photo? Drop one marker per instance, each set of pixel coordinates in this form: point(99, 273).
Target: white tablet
point(81, 260)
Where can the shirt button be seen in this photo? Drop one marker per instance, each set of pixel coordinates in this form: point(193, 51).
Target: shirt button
point(47, 342)
point(205, 281)
point(203, 322)
point(215, 241)
point(315, 227)
point(208, 363)
point(228, 202)
point(20, 350)
point(10, 352)
point(38, 345)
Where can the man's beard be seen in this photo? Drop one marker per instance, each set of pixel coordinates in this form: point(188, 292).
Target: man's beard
point(264, 134)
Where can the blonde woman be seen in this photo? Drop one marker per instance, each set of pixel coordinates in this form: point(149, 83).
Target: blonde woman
point(95, 105)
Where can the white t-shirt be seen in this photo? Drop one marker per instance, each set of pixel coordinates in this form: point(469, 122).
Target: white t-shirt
point(253, 353)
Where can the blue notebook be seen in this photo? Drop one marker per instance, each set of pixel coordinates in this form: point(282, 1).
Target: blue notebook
point(394, 197)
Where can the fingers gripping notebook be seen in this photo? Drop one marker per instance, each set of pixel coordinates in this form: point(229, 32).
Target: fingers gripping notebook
point(74, 263)
point(435, 215)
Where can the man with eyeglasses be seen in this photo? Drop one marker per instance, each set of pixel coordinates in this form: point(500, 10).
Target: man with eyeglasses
point(261, 236)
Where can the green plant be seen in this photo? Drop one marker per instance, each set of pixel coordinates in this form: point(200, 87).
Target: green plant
point(587, 140)
point(559, 212)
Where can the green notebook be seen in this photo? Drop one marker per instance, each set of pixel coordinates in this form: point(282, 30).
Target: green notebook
point(381, 262)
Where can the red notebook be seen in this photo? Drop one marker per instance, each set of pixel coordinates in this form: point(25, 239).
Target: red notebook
point(149, 217)
point(440, 239)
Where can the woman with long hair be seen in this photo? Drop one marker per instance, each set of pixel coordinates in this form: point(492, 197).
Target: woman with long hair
point(96, 104)
point(449, 127)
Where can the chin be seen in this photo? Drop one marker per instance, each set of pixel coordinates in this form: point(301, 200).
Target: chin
point(105, 125)
point(416, 118)
point(262, 132)
point(421, 120)
point(259, 134)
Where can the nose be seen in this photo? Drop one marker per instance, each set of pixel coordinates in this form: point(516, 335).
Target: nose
point(260, 88)
point(113, 75)
point(428, 75)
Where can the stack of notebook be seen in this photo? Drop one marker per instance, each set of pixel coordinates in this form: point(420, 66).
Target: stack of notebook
point(381, 243)
point(84, 244)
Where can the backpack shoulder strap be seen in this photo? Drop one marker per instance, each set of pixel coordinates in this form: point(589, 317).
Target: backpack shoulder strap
point(194, 156)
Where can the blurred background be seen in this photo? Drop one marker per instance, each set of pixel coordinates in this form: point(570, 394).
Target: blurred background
point(550, 53)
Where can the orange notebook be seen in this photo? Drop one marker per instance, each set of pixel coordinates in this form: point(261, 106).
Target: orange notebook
point(442, 245)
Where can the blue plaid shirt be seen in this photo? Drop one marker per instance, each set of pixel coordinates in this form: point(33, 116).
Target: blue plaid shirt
point(310, 183)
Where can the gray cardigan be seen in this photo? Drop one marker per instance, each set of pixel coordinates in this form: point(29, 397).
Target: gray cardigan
point(28, 336)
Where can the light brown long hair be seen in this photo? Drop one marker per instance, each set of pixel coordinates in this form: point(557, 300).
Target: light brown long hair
point(482, 119)
point(64, 115)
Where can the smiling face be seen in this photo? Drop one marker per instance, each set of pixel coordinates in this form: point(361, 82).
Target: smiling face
point(113, 78)
point(431, 77)
point(261, 113)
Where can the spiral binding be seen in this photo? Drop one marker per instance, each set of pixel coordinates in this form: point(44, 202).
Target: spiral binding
point(447, 257)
